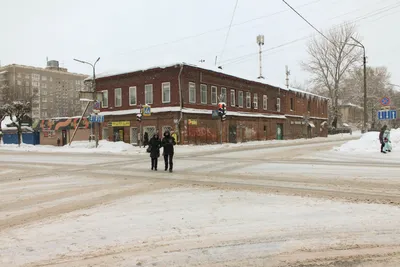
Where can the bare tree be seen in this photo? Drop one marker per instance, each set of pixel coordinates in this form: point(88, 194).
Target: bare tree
point(330, 60)
point(378, 86)
point(18, 111)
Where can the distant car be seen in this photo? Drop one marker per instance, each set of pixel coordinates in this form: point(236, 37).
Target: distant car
point(339, 130)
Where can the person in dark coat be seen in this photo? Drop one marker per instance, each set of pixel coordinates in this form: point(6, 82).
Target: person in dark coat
point(154, 145)
point(146, 139)
point(168, 143)
point(383, 129)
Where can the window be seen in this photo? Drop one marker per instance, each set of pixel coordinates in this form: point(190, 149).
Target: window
point(132, 96)
point(265, 102)
point(309, 106)
point(19, 82)
point(148, 94)
point(214, 98)
point(291, 104)
point(255, 101)
point(27, 76)
point(240, 99)
point(51, 79)
point(223, 94)
point(166, 92)
point(26, 83)
point(203, 93)
point(117, 97)
point(19, 75)
point(278, 104)
point(44, 78)
point(233, 102)
point(248, 100)
point(104, 104)
point(192, 93)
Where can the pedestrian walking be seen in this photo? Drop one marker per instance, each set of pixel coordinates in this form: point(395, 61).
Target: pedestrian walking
point(145, 139)
point(381, 133)
point(154, 149)
point(168, 143)
point(58, 141)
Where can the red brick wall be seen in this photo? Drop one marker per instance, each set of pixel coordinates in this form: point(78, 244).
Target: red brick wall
point(139, 79)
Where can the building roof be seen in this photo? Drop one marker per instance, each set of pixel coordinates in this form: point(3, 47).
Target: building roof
point(208, 68)
point(4, 68)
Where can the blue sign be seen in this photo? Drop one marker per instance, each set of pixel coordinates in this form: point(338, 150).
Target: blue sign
point(146, 110)
point(385, 101)
point(387, 114)
point(96, 105)
point(96, 118)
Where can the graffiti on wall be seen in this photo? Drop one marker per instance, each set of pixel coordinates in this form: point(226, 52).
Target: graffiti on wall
point(60, 124)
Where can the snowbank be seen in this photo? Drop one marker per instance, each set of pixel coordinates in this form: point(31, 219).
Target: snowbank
point(124, 148)
point(369, 142)
point(78, 147)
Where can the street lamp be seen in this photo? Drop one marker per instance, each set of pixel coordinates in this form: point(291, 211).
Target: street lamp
point(93, 90)
point(359, 44)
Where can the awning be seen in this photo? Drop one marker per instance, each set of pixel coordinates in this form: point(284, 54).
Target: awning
point(311, 124)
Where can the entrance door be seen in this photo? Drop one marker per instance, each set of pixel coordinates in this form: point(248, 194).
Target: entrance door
point(134, 136)
point(279, 131)
point(232, 133)
point(118, 134)
point(64, 137)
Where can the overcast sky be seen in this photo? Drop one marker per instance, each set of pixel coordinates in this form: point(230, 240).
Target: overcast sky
point(131, 34)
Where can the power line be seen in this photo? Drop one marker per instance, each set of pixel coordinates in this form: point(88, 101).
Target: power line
point(216, 30)
point(244, 58)
point(308, 22)
point(273, 37)
point(229, 29)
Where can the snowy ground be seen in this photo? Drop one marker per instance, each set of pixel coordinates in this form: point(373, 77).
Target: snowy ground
point(270, 206)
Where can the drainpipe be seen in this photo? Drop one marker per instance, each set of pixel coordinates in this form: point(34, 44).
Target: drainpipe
point(180, 104)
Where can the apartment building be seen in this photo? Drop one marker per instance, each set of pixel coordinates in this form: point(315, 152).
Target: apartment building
point(184, 98)
point(53, 91)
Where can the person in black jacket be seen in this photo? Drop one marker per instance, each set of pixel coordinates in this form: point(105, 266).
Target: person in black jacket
point(381, 137)
point(168, 143)
point(154, 145)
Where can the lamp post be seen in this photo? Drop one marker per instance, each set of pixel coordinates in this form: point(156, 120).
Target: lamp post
point(359, 44)
point(93, 89)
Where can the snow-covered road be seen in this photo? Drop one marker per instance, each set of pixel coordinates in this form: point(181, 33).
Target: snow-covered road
point(270, 206)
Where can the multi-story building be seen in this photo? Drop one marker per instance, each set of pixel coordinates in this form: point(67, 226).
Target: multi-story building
point(183, 97)
point(53, 91)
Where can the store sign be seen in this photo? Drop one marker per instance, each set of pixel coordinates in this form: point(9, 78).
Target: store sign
point(192, 122)
point(120, 123)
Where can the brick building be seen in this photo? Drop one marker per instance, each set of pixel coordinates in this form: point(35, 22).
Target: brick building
point(182, 98)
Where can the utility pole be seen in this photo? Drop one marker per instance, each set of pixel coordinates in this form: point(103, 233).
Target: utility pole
point(97, 124)
point(287, 76)
point(365, 84)
point(260, 42)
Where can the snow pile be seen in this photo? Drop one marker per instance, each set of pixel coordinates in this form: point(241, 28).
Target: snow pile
point(369, 142)
point(79, 147)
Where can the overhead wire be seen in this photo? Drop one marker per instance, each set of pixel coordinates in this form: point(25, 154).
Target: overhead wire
point(215, 30)
point(239, 59)
point(335, 17)
point(229, 29)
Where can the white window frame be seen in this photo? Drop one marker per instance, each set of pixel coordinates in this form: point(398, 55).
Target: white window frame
point(115, 97)
point(166, 86)
point(214, 95)
point(255, 100)
point(202, 87)
point(192, 92)
point(248, 100)
point(103, 104)
point(132, 91)
point(240, 99)
point(223, 93)
point(233, 98)
point(150, 87)
point(278, 104)
point(265, 102)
